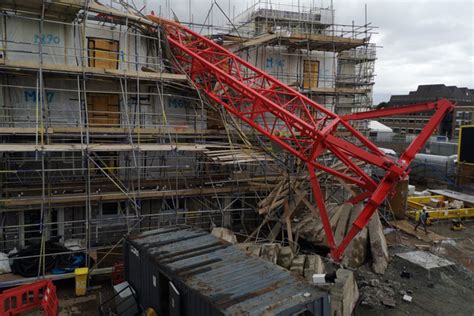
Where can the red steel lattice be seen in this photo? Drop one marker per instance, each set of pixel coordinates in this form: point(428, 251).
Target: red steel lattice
point(298, 124)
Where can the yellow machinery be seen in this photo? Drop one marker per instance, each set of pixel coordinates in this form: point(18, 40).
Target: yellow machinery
point(457, 225)
point(439, 207)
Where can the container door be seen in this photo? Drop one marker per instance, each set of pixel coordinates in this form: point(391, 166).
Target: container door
point(175, 300)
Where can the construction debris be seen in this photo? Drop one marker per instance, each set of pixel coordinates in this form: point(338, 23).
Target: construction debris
point(298, 264)
point(250, 248)
point(344, 293)
point(270, 252)
point(378, 245)
point(225, 234)
point(425, 260)
point(285, 257)
point(390, 302)
point(301, 265)
point(318, 278)
point(342, 224)
point(313, 265)
point(357, 250)
point(152, 123)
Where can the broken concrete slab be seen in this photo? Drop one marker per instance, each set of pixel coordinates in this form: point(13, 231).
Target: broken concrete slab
point(378, 245)
point(314, 265)
point(341, 226)
point(356, 253)
point(309, 228)
point(297, 266)
point(270, 252)
point(425, 260)
point(344, 293)
point(225, 234)
point(250, 248)
point(333, 222)
point(387, 301)
point(285, 257)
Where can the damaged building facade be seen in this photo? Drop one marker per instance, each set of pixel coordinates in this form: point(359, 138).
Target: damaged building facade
point(101, 136)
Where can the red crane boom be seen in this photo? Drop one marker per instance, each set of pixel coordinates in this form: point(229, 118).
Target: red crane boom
point(298, 124)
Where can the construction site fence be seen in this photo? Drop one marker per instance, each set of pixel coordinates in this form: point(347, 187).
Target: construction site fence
point(27, 297)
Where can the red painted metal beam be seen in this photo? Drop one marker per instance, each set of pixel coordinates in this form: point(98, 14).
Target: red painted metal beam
point(399, 110)
point(298, 124)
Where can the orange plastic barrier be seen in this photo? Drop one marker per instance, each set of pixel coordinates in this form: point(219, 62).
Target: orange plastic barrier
point(50, 300)
point(117, 273)
point(27, 297)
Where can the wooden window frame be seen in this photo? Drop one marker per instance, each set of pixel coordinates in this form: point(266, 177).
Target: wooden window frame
point(309, 80)
point(91, 49)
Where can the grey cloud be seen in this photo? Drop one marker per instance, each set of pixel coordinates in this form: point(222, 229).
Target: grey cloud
point(422, 41)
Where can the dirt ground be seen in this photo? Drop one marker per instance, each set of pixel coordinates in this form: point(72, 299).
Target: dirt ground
point(441, 291)
point(100, 289)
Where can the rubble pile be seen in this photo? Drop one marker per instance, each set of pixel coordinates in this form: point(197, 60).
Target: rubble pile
point(370, 243)
point(375, 292)
point(300, 265)
point(344, 290)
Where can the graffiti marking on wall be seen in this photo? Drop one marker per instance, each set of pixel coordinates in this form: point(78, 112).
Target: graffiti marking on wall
point(30, 96)
point(47, 39)
point(271, 62)
point(178, 103)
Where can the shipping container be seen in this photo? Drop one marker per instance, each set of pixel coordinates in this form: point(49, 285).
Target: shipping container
point(187, 271)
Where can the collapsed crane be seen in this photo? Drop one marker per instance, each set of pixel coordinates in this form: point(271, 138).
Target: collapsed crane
point(298, 124)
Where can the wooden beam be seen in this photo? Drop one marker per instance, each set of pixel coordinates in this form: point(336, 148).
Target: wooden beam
point(100, 147)
point(72, 69)
point(54, 200)
point(180, 130)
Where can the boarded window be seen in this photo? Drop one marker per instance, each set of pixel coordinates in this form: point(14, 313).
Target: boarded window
point(103, 53)
point(310, 74)
point(103, 110)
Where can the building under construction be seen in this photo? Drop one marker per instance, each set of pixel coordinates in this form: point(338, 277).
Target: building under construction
point(129, 134)
point(101, 136)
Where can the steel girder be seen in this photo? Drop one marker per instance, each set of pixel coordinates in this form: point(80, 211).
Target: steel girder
point(298, 124)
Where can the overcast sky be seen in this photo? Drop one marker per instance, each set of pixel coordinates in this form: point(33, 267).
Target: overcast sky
point(421, 41)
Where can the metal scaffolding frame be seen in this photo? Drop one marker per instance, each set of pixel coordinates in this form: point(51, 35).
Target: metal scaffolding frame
point(171, 167)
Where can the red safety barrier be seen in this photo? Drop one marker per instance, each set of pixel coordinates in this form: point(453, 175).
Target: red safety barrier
point(50, 300)
point(117, 273)
point(27, 297)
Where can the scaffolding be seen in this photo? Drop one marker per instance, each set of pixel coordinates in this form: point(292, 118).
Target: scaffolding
point(302, 46)
point(102, 137)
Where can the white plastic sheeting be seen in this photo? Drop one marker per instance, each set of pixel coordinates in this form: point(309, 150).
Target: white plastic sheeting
point(62, 43)
point(376, 126)
point(4, 264)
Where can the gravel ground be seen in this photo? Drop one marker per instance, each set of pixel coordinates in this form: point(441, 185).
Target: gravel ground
point(442, 291)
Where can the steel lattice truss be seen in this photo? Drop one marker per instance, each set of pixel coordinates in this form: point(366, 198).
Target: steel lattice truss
point(298, 124)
